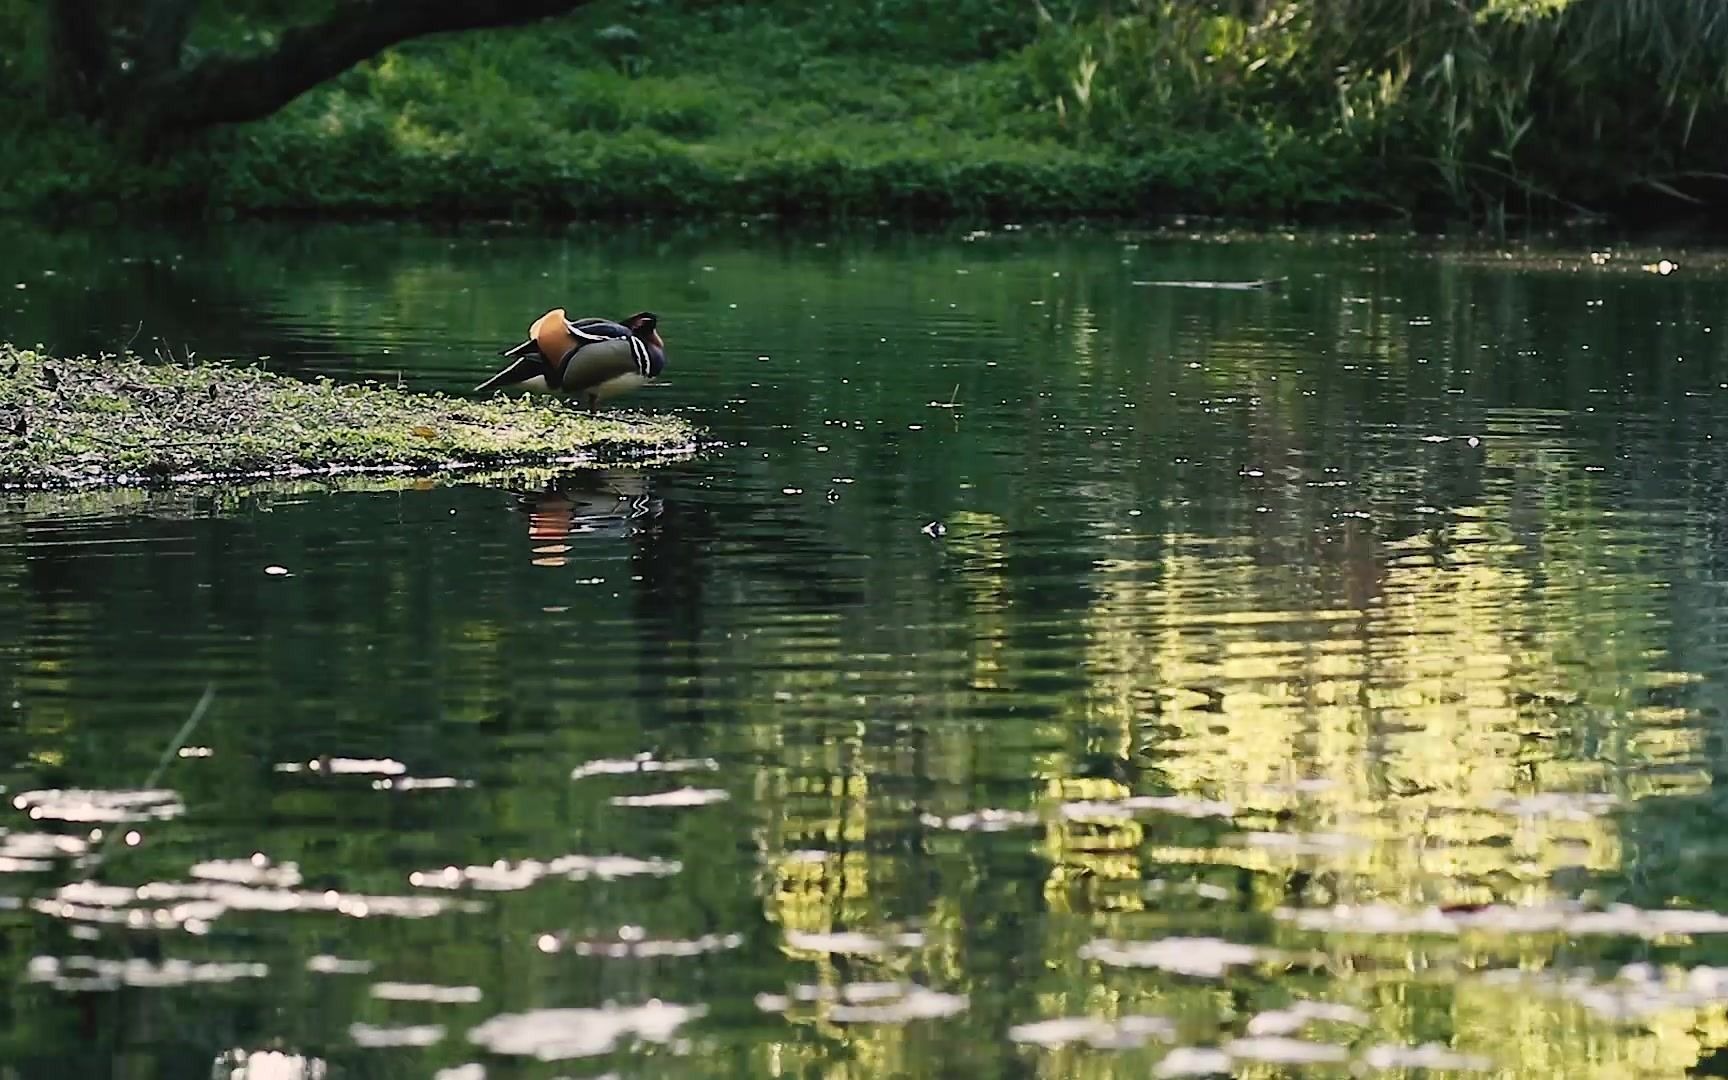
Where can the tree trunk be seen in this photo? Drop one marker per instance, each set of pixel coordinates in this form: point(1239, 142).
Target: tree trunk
point(125, 65)
point(160, 29)
point(80, 60)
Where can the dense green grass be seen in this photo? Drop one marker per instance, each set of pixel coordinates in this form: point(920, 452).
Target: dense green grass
point(979, 107)
point(788, 113)
point(118, 420)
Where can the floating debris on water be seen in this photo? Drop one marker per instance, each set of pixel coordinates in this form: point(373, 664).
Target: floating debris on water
point(380, 1038)
point(632, 941)
point(420, 783)
point(1195, 1061)
point(869, 1003)
point(1433, 1056)
point(258, 870)
point(1638, 991)
point(35, 852)
point(1269, 284)
point(438, 995)
point(241, 1064)
point(1300, 1014)
point(341, 766)
point(335, 965)
point(1286, 1051)
point(193, 905)
point(1202, 956)
point(853, 993)
point(1125, 1033)
point(1561, 805)
point(503, 876)
point(1115, 809)
point(81, 805)
point(684, 796)
point(1311, 785)
point(641, 763)
point(1618, 919)
point(1302, 843)
point(916, 1003)
point(851, 942)
point(89, 973)
point(560, 1034)
point(982, 821)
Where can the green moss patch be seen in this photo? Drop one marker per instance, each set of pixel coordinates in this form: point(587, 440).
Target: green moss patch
point(118, 420)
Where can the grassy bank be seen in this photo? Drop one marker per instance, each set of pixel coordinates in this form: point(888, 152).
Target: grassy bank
point(993, 108)
point(122, 421)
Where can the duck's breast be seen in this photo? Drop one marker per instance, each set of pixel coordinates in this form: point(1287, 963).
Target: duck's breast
point(618, 384)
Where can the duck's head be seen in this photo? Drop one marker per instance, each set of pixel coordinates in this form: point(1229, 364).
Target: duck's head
point(646, 325)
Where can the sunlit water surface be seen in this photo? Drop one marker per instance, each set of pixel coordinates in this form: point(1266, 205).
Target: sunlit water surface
point(1054, 674)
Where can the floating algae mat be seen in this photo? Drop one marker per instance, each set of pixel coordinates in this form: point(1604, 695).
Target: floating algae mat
point(119, 420)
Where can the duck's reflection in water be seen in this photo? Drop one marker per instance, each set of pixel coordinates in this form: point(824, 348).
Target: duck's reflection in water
point(589, 503)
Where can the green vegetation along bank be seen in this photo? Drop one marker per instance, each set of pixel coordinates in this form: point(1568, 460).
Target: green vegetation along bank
point(119, 420)
point(1485, 109)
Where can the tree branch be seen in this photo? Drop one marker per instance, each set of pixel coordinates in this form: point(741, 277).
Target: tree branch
point(229, 89)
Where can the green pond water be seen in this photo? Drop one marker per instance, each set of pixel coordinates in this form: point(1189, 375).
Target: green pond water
point(1052, 675)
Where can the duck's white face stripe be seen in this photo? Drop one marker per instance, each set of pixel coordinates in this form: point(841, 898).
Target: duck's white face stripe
point(577, 331)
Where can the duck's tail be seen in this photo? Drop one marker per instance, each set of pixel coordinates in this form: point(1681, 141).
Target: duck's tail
point(522, 370)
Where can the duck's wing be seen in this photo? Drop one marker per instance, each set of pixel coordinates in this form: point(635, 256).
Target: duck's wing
point(589, 329)
point(543, 334)
point(588, 366)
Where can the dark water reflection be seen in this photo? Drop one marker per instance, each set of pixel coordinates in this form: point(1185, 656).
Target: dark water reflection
point(1310, 681)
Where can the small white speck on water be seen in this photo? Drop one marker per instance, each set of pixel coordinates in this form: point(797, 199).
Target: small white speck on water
point(276, 571)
